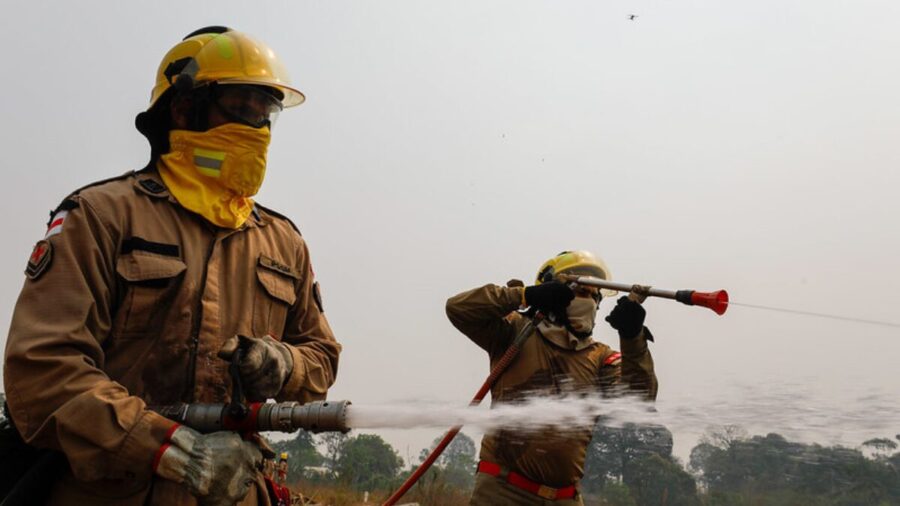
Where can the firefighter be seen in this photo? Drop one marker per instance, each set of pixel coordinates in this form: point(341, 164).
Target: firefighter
point(544, 467)
point(282, 469)
point(141, 279)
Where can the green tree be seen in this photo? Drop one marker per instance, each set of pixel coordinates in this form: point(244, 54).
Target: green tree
point(612, 449)
point(617, 494)
point(456, 465)
point(653, 479)
point(333, 442)
point(302, 453)
point(450, 480)
point(772, 470)
point(880, 447)
point(367, 462)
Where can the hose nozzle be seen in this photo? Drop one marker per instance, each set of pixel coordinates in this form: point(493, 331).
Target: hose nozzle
point(717, 301)
point(321, 416)
point(317, 416)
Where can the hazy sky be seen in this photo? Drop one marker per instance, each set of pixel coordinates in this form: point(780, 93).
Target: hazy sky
point(751, 146)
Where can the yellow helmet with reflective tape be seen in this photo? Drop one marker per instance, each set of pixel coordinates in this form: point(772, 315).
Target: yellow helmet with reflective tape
point(582, 263)
point(222, 55)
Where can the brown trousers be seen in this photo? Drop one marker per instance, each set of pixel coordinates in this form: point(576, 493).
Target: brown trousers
point(493, 491)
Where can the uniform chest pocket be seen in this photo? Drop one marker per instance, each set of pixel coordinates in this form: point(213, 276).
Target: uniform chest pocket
point(275, 294)
point(151, 285)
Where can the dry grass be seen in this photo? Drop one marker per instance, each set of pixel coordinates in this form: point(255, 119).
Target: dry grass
point(335, 495)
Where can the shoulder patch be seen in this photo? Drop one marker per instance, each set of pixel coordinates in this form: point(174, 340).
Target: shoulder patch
point(278, 215)
point(70, 202)
point(55, 226)
point(613, 359)
point(64, 207)
point(58, 215)
point(317, 296)
point(40, 259)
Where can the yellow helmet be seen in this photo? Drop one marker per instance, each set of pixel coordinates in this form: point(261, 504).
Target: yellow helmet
point(575, 262)
point(220, 54)
point(284, 456)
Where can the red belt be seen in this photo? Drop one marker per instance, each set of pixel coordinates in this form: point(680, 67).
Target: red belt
point(517, 480)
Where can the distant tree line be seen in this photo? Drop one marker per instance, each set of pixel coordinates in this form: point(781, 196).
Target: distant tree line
point(634, 466)
point(736, 469)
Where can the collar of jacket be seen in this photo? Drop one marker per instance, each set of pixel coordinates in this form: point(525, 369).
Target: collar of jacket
point(149, 183)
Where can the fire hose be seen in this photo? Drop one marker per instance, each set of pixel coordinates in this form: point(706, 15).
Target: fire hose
point(717, 301)
point(317, 416)
point(33, 484)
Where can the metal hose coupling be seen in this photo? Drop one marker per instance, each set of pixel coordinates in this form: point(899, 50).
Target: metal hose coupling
point(316, 416)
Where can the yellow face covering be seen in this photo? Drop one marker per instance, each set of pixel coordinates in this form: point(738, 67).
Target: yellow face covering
point(214, 173)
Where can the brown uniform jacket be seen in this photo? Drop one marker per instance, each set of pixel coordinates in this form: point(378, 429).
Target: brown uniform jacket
point(552, 457)
point(137, 299)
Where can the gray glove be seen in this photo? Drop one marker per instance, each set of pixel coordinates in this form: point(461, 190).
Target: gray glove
point(217, 468)
point(265, 366)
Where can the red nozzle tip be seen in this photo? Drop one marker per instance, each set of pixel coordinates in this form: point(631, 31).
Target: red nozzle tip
point(717, 301)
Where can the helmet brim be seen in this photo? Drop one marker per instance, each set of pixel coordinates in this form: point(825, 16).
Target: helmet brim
point(292, 96)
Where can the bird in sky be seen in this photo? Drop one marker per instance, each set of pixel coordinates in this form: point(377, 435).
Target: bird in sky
point(631, 17)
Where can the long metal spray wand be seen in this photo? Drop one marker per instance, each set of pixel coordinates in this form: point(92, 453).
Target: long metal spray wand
point(717, 301)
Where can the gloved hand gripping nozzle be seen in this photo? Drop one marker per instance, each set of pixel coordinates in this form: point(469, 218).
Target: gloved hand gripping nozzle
point(316, 416)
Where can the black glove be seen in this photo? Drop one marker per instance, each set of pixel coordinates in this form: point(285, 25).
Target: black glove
point(627, 317)
point(553, 297)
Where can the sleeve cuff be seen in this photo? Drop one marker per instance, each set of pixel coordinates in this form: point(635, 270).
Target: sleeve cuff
point(294, 386)
point(636, 345)
point(515, 298)
point(164, 447)
point(143, 443)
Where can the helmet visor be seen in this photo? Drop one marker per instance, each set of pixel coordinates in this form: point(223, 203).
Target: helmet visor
point(252, 105)
point(594, 271)
point(586, 270)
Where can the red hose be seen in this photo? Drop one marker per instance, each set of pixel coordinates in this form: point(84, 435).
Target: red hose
point(498, 369)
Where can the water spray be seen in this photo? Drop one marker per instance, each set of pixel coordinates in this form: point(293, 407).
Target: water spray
point(496, 372)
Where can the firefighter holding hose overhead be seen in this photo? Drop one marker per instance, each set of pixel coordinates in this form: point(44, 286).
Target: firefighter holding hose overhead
point(142, 279)
point(544, 467)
